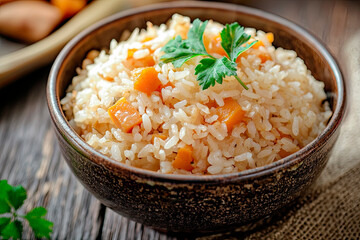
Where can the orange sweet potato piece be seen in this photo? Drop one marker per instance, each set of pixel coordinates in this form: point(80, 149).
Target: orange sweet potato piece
point(258, 44)
point(264, 57)
point(158, 135)
point(243, 55)
point(131, 52)
point(132, 63)
point(124, 115)
point(69, 7)
point(28, 21)
point(147, 38)
point(147, 61)
point(211, 104)
point(146, 80)
point(184, 159)
point(269, 36)
point(164, 86)
point(213, 45)
point(106, 77)
point(231, 113)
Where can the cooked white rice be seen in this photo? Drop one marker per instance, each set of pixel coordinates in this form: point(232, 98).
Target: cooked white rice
point(283, 106)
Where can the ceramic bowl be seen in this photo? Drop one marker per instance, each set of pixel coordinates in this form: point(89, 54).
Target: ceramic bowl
point(180, 203)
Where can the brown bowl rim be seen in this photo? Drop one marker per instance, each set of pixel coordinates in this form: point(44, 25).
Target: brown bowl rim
point(64, 128)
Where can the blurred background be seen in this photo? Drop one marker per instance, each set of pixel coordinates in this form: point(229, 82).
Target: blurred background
point(29, 154)
point(25, 22)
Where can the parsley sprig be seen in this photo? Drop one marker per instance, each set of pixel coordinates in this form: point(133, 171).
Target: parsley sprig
point(210, 69)
point(11, 199)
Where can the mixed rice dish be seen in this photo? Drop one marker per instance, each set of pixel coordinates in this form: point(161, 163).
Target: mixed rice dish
point(129, 105)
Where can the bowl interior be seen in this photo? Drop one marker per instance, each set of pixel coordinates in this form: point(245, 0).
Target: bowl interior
point(287, 35)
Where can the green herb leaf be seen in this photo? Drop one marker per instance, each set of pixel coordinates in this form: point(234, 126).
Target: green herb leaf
point(211, 70)
point(233, 37)
point(178, 50)
point(4, 199)
point(3, 223)
point(4, 207)
point(12, 230)
point(195, 35)
point(17, 196)
point(40, 226)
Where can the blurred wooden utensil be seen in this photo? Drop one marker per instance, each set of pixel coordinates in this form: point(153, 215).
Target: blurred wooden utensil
point(23, 61)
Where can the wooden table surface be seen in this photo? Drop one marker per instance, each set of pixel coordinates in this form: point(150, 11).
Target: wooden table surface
point(30, 156)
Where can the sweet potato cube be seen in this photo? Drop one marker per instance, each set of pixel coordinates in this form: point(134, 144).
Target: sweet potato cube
point(258, 44)
point(132, 63)
point(146, 80)
point(106, 77)
point(270, 37)
point(131, 52)
point(184, 159)
point(231, 113)
point(264, 57)
point(147, 61)
point(213, 45)
point(147, 38)
point(164, 86)
point(124, 115)
point(158, 135)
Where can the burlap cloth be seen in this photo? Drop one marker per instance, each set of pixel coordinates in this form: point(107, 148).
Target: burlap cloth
point(331, 208)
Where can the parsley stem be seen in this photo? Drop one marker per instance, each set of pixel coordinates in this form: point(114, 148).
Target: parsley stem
point(241, 82)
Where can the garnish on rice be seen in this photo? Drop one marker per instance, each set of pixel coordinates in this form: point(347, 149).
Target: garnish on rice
point(210, 69)
point(140, 105)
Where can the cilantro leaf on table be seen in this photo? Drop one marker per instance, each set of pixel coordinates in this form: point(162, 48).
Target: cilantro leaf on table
point(4, 222)
point(233, 37)
point(4, 201)
point(40, 226)
point(17, 196)
point(210, 69)
point(12, 230)
point(11, 199)
point(4, 206)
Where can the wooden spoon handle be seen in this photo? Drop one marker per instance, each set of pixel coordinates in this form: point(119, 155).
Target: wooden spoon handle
point(21, 62)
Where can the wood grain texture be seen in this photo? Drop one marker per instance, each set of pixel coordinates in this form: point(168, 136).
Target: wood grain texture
point(29, 154)
point(118, 227)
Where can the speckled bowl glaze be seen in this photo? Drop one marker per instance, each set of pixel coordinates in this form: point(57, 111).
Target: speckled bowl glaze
point(180, 203)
